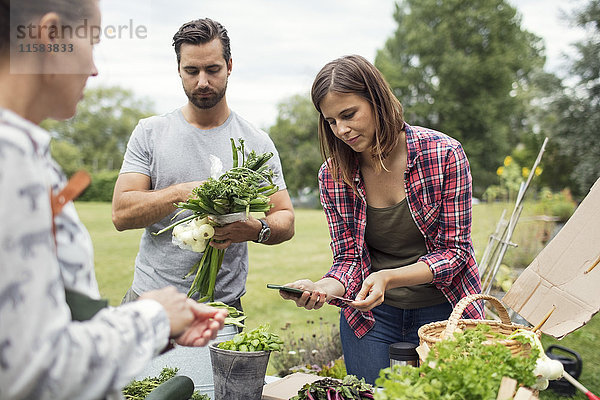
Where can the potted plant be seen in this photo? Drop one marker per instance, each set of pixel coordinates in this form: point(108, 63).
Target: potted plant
point(240, 364)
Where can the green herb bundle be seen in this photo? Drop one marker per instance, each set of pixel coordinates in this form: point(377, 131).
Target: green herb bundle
point(244, 188)
point(139, 389)
point(466, 367)
point(258, 339)
point(349, 388)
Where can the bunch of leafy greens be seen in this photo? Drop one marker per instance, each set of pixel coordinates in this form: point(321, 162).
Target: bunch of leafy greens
point(349, 388)
point(470, 366)
point(234, 316)
point(245, 188)
point(258, 339)
point(139, 389)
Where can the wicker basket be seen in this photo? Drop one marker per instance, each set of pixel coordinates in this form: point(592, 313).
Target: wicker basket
point(434, 332)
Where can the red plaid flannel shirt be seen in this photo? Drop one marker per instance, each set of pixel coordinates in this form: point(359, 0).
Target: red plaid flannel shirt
point(438, 192)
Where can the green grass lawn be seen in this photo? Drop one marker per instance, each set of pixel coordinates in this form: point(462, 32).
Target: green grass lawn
point(308, 255)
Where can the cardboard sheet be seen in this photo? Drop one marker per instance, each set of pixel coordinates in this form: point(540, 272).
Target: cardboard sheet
point(565, 275)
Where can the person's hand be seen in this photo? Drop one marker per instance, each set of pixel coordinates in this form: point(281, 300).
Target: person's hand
point(372, 292)
point(313, 297)
point(236, 232)
point(176, 306)
point(192, 323)
point(208, 321)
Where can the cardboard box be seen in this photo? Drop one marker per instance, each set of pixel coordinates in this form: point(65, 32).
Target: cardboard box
point(563, 281)
point(288, 386)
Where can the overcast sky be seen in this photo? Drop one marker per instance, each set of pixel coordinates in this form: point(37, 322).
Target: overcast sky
point(277, 46)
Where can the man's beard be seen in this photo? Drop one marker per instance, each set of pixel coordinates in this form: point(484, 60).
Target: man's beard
point(205, 103)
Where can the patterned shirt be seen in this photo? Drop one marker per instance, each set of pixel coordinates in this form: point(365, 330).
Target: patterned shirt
point(438, 192)
point(43, 353)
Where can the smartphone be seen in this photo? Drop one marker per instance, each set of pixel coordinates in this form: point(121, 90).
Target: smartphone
point(285, 288)
point(300, 291)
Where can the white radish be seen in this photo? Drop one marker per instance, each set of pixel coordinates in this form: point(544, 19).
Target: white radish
point(541, 383)
point(179, 229)
point(193, 235)
point(545, 367)
point(187, 237)
point(542, 368)
point(200, 221)
point(199, 246)
point(556, 369)
point(206, 231)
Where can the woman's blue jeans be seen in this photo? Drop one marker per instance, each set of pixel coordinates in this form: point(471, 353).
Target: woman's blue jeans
point(364, 357)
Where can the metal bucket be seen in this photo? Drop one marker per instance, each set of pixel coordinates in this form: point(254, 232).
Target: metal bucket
point(191, 361)
point(238, 375)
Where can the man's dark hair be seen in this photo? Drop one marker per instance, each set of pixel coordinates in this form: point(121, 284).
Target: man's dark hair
point(201, 31)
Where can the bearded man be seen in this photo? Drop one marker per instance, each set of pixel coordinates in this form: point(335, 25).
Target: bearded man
point(169, 155)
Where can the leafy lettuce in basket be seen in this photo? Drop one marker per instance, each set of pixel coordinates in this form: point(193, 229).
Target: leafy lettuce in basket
point(468, 366)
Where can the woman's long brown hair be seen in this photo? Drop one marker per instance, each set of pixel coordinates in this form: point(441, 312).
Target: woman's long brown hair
point(354, 74)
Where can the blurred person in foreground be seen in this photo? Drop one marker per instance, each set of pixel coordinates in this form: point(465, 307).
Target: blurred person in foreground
point(46, 255)
point(398, 203)
point(169, 155)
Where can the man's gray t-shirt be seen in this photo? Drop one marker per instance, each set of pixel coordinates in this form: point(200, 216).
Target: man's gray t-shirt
point(169, 150)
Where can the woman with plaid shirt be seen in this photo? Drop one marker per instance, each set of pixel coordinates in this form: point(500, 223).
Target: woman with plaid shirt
point(398, 205)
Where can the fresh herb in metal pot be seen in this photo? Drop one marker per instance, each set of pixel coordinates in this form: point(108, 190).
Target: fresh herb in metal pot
point(258, 339)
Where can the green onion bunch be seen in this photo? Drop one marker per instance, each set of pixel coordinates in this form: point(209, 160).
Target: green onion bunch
point(243, 189)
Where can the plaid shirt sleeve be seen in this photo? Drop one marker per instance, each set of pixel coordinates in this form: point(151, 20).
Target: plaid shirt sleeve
point(346, 218)
point(439, 194)
point(339, 210)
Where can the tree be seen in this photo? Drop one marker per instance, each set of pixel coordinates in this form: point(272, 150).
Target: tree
point(538, 115)
point(577, 112)
point(67, 155)
point(295, 136)
point(463, 67)
point(99, 132)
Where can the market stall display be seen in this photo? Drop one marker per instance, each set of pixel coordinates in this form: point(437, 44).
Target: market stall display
point(469, 365)
point(486, 359)
point(557, 293)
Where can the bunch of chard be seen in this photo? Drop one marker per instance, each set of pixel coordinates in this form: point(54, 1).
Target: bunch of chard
point(243, 189)
point(350, 388)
